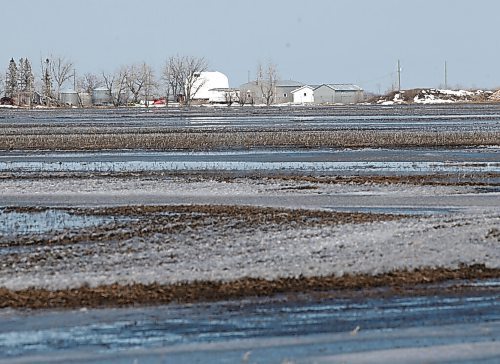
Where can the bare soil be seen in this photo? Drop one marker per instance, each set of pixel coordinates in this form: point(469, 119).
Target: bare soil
point(116, 295)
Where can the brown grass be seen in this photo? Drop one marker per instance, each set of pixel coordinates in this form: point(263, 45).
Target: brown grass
point(241, 139)
point(116, 295)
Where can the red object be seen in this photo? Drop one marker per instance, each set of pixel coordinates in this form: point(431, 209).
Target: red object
point(160, 102)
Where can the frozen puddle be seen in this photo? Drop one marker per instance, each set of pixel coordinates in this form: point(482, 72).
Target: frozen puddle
point(263, 330)
point(366, 160)
point(396, 210)
point(158, 166)
point(14, 223)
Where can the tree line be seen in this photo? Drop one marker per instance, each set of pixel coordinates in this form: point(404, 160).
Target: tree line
point(178, 80)
point(128, 84)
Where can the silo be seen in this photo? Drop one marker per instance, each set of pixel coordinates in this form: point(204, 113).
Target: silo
point(101, 96)
point(85, 99)
point(69, 97)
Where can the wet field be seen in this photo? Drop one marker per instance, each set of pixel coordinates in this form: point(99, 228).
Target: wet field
point(311, 162)
point(96, 202)
point(301, 329)
point(370, 117)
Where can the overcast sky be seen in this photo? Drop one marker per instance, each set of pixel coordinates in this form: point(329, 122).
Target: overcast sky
point(313, 41)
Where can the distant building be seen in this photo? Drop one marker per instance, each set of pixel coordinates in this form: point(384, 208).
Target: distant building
point(338, 94)
point(303, 95)
point(101, 96)
point(209, 86)
point(69, 97)
point(282, 93)
point(289, 91)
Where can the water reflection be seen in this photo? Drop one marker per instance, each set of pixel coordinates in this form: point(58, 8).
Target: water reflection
point(16, 223)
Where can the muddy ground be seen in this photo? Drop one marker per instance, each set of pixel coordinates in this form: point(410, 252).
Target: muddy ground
point(116, 295)
point(160, 254)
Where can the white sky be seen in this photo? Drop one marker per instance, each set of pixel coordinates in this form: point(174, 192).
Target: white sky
point(315, 41)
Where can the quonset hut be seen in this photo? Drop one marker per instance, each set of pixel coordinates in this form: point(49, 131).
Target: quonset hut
point(210, 86)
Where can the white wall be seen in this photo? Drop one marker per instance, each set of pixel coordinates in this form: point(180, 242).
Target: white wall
point(303, 95)
point(208, 81)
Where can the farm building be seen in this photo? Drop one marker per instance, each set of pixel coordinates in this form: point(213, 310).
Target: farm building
point(101, 96)
point(69, 97)
point(302, 95)
point(208, 86)
point(254, 91)
point(338, 94)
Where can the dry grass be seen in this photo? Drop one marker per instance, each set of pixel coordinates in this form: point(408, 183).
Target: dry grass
point(116, 295)
point(166, 140)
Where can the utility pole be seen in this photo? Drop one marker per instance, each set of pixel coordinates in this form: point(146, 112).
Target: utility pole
point(399, 76)
point(446, 75)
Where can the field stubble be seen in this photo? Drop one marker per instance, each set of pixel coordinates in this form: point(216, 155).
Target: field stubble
point(91, 139)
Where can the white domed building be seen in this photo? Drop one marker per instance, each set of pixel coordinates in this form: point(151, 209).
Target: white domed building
point(210, 87)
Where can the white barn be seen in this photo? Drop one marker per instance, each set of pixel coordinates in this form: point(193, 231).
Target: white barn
point(303, 95)
point(208, 86)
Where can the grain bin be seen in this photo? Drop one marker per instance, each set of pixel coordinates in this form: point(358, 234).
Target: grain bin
point(101, 96)
point(85, 99)
point(69, 97)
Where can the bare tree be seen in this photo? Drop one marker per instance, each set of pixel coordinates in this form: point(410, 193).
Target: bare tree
point(89, 82)
point(193, 79)
point(231, 96)
point(150, 85)
point(241, 98)
point(184, 73)
point(61, 71)
point(171, 77)
point(140, 81)
point(46, 80)
point(267, 77)
point(117, 84)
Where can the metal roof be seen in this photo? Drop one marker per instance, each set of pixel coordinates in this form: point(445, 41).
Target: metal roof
point(342, 87)
point(288, 83)
point(302, 87)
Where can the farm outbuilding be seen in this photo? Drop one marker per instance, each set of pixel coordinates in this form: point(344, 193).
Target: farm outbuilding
point(338, 94)
point(85, 99)
point(207, 85)
point(101, 96)
point(303, 95)
point(282, 92)
point(69, 97)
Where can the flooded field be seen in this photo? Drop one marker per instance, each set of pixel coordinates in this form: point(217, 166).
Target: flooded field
point(313, 328)
point(478, 117)
point(101, 210)
point(315, 162)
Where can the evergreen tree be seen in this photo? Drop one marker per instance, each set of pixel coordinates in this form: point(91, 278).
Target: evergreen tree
point(11, 80)
point(21, 78)
point(25, 82)
point(29, 77)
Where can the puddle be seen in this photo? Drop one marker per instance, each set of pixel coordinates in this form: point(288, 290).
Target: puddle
point(145, 166)
point(108, 333)
point(396, 210)
point(488, 189)
point(14, 223)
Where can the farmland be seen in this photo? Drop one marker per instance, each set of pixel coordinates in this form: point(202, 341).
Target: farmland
point(106, 208)
point(421, 166)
